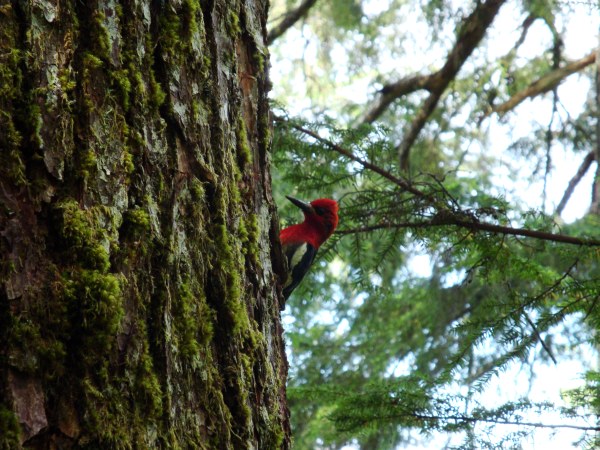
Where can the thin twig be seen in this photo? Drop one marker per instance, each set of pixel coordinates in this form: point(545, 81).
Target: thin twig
point(539, 338)
point(367, 165)
point(595, 206)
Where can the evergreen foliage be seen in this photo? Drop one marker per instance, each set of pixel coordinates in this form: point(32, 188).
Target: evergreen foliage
point(380, 353)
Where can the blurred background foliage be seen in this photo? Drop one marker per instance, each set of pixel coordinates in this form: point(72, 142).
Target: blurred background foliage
point(420, 325)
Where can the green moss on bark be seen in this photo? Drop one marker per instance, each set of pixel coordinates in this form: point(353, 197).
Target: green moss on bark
point(250, 235)
point(229, 268)
point(9, 429)
point(94, 300)
point(12, 167)
point(142, 316)
point(243, 148)
point(193, 320)
point(84, 238)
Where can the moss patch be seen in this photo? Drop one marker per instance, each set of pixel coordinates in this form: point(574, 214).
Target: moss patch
point(243, 148)
point(12, 167)
point(193, 321)
point(9, 429)
point(84, 238)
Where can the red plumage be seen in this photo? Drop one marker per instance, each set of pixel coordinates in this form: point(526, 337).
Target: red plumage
point(300, 242)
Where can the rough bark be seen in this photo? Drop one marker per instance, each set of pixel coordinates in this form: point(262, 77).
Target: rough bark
point(138, 306)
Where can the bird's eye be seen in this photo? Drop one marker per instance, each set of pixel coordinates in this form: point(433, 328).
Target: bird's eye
point(320, 211)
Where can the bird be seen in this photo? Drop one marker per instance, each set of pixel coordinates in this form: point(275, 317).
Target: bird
point(300, 242)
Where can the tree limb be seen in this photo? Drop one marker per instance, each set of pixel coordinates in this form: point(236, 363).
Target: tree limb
point(477, 226)
point(392, 91)
point(469, 37)
point(443, 216)
point(291, 17)
point(583, 168)
point(471, 419)
point(471, 33)
point(543, 84)
point(416, 126)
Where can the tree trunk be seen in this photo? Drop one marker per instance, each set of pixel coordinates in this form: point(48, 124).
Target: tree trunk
point(138, 307)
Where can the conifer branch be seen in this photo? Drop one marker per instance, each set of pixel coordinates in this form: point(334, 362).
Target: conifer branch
point(450, 218)
point(409, 413)
point(474, 419)
point(347, 153)
point(443, 216)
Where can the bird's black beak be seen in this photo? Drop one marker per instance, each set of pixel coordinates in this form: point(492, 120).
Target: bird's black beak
point(305, 207)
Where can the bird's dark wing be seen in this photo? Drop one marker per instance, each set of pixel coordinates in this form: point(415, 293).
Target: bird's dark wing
point(299, 257)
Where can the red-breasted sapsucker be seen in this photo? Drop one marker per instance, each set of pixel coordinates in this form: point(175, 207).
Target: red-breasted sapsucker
point(300, 242)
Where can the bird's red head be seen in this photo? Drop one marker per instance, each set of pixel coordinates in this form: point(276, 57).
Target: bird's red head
point(320, 221)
